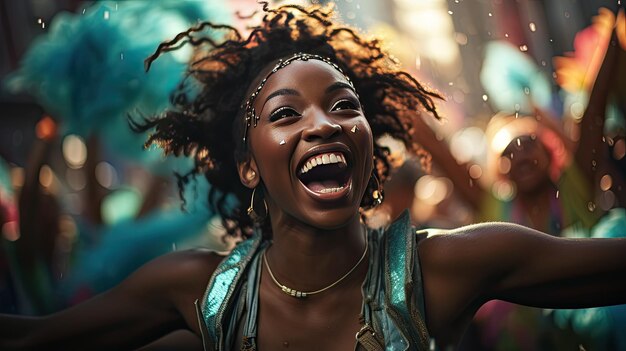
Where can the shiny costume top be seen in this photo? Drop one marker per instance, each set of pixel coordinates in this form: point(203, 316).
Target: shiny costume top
point(393, 301)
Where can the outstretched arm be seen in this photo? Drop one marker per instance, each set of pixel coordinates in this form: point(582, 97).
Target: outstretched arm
point(471, 265)
point(591, 147)
point(152, 302)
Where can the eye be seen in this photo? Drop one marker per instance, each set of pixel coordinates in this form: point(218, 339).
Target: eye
point(282, 113)
point(345, 104)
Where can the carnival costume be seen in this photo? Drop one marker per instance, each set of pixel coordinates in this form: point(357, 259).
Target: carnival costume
point(392, 313)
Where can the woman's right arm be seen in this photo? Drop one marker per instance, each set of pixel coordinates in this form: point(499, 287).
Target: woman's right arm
point(152, 302)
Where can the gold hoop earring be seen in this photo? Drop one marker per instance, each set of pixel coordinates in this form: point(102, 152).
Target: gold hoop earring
point(254, 216)
point(378, 193)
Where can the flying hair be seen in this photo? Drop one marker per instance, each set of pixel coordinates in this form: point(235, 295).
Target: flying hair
point(206, 120)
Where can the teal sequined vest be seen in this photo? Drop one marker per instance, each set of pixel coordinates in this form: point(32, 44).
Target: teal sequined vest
point(393, 301)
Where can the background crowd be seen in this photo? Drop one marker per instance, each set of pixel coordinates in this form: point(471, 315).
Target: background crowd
point(533, 133)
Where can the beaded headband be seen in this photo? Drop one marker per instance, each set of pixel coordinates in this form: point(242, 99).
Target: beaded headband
point(251, 117)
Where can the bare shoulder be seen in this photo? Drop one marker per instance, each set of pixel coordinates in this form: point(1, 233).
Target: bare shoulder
point(174, 282)
point(464, 242)
point(460, 268)
point(181, 269)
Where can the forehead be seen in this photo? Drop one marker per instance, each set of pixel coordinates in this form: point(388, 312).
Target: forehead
point(298, 74)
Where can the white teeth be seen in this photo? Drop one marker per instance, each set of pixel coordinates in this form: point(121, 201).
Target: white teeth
point(324, 160)
point(330, 190)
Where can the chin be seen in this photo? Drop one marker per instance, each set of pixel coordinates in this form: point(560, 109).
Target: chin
point(331, 219)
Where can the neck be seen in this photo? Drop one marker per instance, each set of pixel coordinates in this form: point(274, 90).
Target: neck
point(308, 258)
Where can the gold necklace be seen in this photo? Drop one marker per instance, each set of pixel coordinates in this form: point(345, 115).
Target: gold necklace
point(301, 294)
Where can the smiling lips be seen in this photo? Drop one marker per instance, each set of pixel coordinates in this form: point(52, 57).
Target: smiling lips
point(325, 173)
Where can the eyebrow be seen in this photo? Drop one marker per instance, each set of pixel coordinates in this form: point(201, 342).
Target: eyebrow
point(339, 85)
point(281, 92)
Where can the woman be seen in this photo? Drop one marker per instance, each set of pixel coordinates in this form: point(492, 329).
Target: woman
point(301, 102)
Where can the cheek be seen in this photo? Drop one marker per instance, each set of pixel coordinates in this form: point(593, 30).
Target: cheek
point(272, 149)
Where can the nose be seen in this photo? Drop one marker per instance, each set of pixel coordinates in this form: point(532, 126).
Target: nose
point(320, 126)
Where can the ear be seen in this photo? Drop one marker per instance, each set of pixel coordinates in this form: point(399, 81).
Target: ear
point(249, 173)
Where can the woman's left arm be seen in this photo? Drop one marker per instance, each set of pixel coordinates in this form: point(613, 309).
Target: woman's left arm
point(466, 267)
point(545, 271)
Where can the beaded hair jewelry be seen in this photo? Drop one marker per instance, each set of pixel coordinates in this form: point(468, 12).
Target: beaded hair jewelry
point(250, 114)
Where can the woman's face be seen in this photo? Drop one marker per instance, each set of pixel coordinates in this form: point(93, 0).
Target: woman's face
point(312, 146)
point(530, 163)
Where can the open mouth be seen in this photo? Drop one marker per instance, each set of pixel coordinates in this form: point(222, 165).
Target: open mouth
point(325, 173)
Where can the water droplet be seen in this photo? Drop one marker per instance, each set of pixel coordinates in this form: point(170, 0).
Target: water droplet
point(516, 114)
point(566, 14)
point(43, 25)
point(84, 10)
point(106, 15)
point(121, 55)
point(490, 14)
point(526, 90)
point(485, 97)
point(532, 26)
point(606, 182)
point(519, 143)
point(557, 194)
point(39, 20)
point(475, 171)
point(450, 83)
point(450, 12)
point(523, 48)
point(506, 35)
point(591, 206)
point(517, 108)
point(543, 63)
